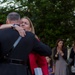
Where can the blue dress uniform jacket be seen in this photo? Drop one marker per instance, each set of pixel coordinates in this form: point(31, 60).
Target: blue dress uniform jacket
point(21, 52)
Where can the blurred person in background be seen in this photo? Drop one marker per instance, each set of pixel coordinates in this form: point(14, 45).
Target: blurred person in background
point(60, 58)
point(72, 57)
point(50, 65)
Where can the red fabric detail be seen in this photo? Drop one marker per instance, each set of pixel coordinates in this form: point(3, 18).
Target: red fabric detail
point(38, 61)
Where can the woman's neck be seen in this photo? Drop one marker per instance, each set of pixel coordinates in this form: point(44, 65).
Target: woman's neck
point(49, 64)
point(59, 48)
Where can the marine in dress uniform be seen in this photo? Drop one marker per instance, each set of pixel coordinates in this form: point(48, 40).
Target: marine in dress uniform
point(15, 63)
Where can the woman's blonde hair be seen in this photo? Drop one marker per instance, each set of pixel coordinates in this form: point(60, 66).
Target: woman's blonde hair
point(31, 24)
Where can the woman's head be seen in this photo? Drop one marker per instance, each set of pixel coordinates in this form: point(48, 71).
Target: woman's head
point(27, 24)
point(59, 43)
point(48, 59)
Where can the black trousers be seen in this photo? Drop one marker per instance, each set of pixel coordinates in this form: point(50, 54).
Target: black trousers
point(13, 69)
point(73, 74)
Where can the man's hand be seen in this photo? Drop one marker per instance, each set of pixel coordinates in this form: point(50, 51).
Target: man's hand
point(20, 30)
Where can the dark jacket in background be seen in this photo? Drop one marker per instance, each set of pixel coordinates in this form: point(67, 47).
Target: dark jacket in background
point(72, 54)
point(57, 58)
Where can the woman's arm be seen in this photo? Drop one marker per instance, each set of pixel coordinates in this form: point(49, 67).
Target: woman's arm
point(3, 26)
point(64, 53)
point(20, 30)
point(53, 70)
point(55, 54)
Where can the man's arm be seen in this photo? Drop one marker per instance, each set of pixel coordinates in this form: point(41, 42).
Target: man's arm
point(41, 48)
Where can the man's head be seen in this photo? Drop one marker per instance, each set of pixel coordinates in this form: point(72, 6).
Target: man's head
point(13, 18)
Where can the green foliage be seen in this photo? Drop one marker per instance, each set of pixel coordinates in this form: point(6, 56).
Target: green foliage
point(53, 19)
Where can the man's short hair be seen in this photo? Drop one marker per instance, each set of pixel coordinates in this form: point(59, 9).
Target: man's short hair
point(13, 16)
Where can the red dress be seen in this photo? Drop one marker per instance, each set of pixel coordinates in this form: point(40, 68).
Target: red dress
point(35, 61)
